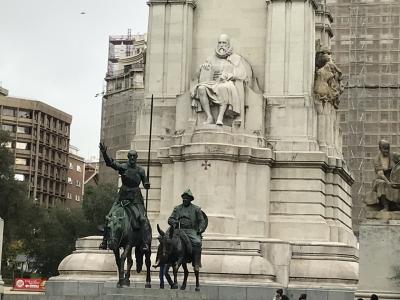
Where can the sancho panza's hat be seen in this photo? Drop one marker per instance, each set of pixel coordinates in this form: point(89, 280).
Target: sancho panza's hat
point(188, 193)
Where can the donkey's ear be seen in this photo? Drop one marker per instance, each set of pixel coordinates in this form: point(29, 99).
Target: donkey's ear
point(171, 232)
point(162, 233)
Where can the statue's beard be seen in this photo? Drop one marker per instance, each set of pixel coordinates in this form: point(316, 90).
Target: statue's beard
point(224, 52)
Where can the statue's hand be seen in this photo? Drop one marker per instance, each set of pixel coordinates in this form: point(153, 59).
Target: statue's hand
point(226, 76)
point(146, 186)
point(102, 147)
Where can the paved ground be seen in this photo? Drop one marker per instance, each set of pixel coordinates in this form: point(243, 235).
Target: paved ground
point(8, 290)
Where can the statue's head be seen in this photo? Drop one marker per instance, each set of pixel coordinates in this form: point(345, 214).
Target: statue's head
point(323, 56)
point(187, 197)
point(224, 48)
point(384, 147)
point(132, 156)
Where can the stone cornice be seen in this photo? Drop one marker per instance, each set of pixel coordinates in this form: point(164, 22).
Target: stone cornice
point(224, 152)
point(328, 29)
point(193, 3)
point(313, 2)
point(313, 160)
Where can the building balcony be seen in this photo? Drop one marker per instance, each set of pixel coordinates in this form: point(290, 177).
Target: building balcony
point(19, 152)
point(22, 168)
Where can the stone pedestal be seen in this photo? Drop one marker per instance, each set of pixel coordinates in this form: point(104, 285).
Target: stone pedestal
point(379, 252)
point(1, 247)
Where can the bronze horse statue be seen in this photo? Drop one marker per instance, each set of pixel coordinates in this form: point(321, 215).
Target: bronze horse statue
point(122, 235)
point(174, 251)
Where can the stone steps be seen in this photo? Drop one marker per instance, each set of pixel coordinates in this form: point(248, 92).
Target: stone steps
point(151, 294)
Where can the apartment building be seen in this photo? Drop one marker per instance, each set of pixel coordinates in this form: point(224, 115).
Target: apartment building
point(76, 178)
point(40, 137)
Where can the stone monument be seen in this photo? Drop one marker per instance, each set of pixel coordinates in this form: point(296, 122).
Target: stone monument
point(239, 120)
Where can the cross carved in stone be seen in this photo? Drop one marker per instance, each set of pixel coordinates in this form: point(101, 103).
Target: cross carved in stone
point(206, 164)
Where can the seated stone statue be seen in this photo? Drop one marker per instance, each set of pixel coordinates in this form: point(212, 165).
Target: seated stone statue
point(385, 192)
point(222, 81)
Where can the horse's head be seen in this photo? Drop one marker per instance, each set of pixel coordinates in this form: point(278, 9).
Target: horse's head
point(167, 244)
point(115, 222)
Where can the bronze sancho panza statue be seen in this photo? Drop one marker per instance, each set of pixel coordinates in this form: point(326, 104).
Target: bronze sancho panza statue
point(182, 243)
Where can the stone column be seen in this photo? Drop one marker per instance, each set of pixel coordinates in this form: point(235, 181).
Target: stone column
point(168, 67)
point(1, 247)
point(289, 74)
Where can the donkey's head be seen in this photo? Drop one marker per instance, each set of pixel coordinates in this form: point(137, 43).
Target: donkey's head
point(167, 245)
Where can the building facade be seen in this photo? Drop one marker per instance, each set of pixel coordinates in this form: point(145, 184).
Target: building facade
point(121, 101)
point(76, 179)
point(367, 49)
point(91, 174)
point(40, 137)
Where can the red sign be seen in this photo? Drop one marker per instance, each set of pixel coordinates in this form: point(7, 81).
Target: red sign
point(29, 284)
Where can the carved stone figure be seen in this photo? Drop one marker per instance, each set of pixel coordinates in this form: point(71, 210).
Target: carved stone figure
point(385, 194)
point(222, 81)
point(328, 84)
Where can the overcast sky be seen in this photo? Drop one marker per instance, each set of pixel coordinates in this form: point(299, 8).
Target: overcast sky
point(52, 52)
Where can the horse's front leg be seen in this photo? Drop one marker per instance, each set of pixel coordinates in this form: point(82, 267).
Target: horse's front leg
point(125, 253)
point(129, 267)
point(120, 271)
point(148, 268)
point(185, 276)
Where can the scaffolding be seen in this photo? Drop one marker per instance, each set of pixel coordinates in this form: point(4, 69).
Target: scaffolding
point(366, 47)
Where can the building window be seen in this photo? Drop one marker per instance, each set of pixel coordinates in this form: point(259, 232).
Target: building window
point(69, 180)
point(78, 168)
point(8, 128)
point(69, 195)
point(71, 166)
point(8, 111)
point(78, 183)
point(23, 129)
point(24, 114)
point(19, 177)
point(77, 198)
point(24, 146)
point(21, 161)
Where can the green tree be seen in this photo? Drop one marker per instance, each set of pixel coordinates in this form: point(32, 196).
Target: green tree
point(14, 206)
point(46, 236)
point(97, 202)
point(54, 238)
